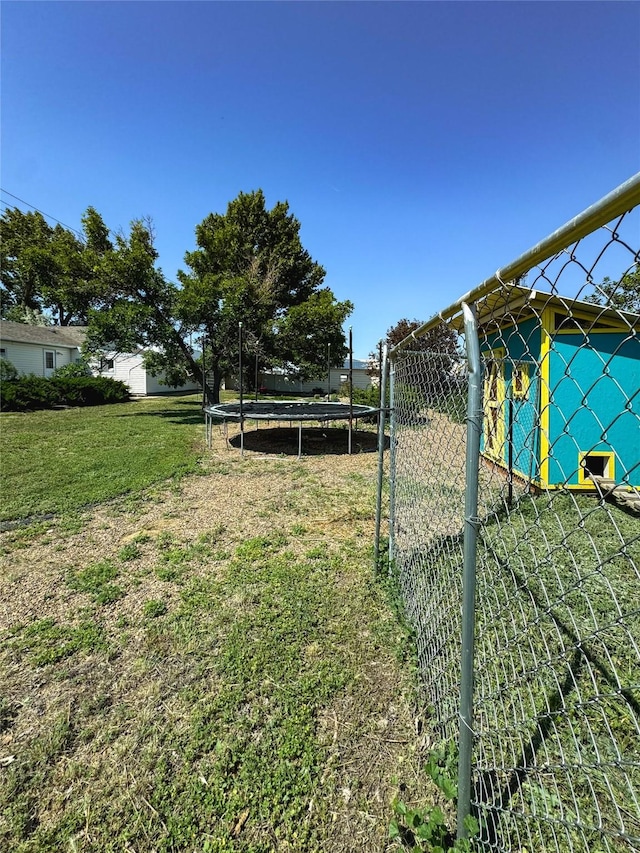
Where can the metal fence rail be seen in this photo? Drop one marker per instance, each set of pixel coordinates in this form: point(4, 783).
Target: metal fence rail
point(555, 717)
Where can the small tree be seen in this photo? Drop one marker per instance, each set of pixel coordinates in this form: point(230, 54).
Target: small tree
point(441, 339)
point(623, 294)
point(441, 342)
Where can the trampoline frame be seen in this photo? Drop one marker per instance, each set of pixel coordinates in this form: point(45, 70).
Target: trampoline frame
point(282, 411)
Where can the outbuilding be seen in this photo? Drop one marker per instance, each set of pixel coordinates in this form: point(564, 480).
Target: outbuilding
point(561, 390)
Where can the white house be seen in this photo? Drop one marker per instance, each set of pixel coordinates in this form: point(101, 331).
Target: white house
point(40, 349)
point(43, 349)
point(274, 380)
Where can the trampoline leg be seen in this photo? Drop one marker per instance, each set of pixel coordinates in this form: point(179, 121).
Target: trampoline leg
point(300, 440)
point(241, 438)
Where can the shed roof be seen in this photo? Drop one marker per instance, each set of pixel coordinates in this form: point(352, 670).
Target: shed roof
point(63, 336)
point(513, 303)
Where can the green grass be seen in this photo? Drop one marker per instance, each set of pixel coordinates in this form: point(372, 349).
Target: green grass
point(46, 641)
point(556, 669)
point(186, 689)
point(60, 461)
point(220, 751)
point(96, 580)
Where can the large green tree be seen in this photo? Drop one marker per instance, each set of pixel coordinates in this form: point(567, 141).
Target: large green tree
point(137, 306)
point(25, 261)
point(250, 267)
point(45, 271)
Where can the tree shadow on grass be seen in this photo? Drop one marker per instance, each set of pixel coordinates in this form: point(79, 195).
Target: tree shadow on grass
point(177, 417)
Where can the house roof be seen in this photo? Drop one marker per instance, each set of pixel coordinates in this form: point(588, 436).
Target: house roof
point(62, 336)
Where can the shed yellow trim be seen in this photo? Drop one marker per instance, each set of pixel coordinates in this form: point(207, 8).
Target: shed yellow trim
point(546, 341)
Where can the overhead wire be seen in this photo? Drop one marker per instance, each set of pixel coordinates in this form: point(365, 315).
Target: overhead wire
point(37, 209)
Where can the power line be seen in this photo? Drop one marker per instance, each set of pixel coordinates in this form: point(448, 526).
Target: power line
point(48, 215)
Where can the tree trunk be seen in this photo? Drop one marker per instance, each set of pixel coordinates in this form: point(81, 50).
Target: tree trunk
point(214, 388)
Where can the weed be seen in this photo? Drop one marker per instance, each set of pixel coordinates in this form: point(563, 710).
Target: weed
point(176, 561)
point(426, 828)
point(154, 608)
point(46, 642)
point(258, 548)
point(129, 552)
point(95, 580)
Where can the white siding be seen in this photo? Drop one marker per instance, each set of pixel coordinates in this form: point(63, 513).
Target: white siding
point(284, 384)
point(129, 368)
point(154, 386)
point(29, 358)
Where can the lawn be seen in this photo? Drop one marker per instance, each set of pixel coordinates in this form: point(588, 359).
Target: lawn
point(61, 461)
point(557, 665)
point(196, 655)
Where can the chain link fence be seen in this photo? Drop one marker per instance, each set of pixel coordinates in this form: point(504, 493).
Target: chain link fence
point(555, 721)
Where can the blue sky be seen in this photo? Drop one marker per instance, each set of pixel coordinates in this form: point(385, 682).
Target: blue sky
point(421, 145)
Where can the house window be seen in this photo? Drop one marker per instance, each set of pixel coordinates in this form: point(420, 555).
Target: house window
point(49, 360)
point(108, 364)
point(520, 380)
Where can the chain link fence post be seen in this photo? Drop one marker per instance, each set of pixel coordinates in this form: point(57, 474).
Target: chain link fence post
point(381, 449)
point(392, 461)
point(471, 523)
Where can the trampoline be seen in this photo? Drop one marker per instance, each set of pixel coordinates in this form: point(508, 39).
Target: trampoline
point(284, 410)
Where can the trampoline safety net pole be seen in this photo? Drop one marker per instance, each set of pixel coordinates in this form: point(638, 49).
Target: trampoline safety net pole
point(350, 386)
point(240, 375)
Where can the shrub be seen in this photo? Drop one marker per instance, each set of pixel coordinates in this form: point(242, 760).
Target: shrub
point(28, 392)
point(367, 396)
point(73, 370)
point(7, 370)
point(90, 390)
point(35, 392)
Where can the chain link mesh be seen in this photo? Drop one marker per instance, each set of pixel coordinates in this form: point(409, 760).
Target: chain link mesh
point(556, 757)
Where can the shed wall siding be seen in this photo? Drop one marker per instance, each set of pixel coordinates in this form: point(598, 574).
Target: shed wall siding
point(129, 368)
point(590, 389)
point(284, 384)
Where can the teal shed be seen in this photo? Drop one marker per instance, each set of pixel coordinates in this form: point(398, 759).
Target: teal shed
point(561, 390)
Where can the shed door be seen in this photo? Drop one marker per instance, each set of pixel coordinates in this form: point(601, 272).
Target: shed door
point(49, 365)
point(494, 407)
